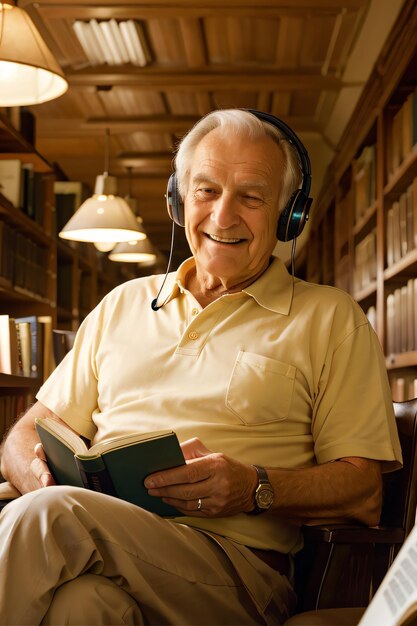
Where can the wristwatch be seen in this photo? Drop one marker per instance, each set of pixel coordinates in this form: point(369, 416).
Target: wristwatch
point(264, 494)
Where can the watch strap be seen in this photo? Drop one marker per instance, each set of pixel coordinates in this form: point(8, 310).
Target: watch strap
point(262, 480)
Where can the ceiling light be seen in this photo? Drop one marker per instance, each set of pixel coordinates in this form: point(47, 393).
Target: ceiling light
point(133, 252)
point(105, 217)
point(29, 73)
point(112, 42)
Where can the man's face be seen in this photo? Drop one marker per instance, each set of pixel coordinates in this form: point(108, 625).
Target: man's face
point(231, 206)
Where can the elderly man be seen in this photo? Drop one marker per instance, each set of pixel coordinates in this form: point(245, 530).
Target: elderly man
point(275, 387)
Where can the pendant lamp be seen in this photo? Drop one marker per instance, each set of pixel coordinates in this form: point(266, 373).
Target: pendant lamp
point(29, 73)
point(133, 252)
point(105, 217)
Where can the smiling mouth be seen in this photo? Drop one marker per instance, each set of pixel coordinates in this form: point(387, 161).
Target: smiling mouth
point(229, 240)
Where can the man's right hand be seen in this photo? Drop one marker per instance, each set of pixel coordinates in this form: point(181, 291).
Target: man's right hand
point(23, 461)
point(40, 469)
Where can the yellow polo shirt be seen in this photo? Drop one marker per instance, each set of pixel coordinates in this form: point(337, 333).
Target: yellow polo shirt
point(283, 374)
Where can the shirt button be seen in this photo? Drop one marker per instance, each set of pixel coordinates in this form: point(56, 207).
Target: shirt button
point(193, 335)
point(194, 312)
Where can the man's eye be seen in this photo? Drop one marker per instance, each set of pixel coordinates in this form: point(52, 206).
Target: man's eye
point(205, 192)
point(253, 201)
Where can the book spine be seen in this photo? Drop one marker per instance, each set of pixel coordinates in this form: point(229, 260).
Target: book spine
point(95, 475)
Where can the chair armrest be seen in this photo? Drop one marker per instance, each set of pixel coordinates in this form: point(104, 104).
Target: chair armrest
point(341, 533)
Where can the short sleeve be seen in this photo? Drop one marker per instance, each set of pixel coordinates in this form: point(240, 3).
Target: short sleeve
point(353, 413)
point(71, 390)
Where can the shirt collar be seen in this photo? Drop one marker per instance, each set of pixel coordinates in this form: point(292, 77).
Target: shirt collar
point(273, 290)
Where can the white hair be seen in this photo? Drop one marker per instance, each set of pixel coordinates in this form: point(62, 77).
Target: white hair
point(242, 124)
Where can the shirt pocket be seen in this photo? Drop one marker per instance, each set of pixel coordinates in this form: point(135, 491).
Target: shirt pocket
point(260, 389)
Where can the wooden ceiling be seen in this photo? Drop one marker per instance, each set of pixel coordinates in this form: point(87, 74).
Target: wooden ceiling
point(285, 57)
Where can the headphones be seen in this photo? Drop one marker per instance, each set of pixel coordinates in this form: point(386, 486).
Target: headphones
point(295, 214)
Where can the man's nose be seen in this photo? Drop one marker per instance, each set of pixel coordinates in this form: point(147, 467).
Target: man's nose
point(225, 212)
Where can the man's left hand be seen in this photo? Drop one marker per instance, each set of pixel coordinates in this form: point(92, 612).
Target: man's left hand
point(209, 485)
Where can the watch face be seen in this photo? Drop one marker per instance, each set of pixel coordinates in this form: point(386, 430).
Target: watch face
point(264, 497)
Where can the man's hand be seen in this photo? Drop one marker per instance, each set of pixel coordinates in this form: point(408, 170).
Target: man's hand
point(40, 469)
point(224, 486)
point(23, 461)
point(349, 488)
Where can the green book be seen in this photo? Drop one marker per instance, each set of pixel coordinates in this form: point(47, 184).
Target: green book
point(117, 467)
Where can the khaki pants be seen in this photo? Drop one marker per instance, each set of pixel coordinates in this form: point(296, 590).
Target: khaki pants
point(70, 556)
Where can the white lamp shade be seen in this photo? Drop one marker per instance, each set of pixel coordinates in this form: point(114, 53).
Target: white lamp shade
point(29, 73)
point(103, 218)
point(133, 252)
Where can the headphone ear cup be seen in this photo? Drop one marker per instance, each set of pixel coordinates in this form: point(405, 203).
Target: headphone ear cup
point(294, 216)
point(175, 205)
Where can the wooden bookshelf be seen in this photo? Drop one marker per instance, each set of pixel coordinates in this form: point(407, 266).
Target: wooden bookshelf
point(370, 194)
point(42, 276)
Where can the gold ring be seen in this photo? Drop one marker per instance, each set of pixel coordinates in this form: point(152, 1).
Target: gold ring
point(199, 504)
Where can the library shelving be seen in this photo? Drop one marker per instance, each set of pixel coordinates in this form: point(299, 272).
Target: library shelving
point(365, 219)
point(45, 282)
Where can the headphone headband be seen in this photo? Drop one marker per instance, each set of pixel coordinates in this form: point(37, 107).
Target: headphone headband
point(296, 212)
point(293, 139)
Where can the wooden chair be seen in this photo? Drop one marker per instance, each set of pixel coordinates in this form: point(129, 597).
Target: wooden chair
point(342, 566)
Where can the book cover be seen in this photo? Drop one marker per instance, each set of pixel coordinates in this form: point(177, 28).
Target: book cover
point(9, 359)
point(11, 181)
point(36, 331)
point(28, 190)
point(62, 342)
point(117, 467)
point(23, 329)
point(48, 353)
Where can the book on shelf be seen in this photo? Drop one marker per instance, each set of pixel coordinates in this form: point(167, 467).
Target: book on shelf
point(403, 387)
point(62, 341)
point(9, 355)
point(342, 273)
point(371, 315)
point(69, 195)
point(414, 116)
point(401, 225)
point(395, 601)
point(25, 341)
point(36, 352)
point(365, 261)
point(364, 181)
point(28, 190)
point(11, 181)
point(23, 261)
point(396, 231)
point(411, 318)
point(403, 133)
point(401, 318)
point(117, 467)
point(6, 250)
point(48, 358)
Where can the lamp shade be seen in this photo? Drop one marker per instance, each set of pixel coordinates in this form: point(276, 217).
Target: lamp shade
point(133, 252)
point(103, 218)
point(29, 73)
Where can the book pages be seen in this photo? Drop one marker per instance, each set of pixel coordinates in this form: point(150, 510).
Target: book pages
point(395, 602)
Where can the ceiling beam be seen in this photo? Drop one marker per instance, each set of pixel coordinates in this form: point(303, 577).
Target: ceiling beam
point(159, 79)
point(154, 162)
point(56, 127)
point(108, 9)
